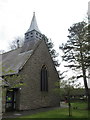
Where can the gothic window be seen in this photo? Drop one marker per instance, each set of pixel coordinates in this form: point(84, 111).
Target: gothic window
point(44, 79)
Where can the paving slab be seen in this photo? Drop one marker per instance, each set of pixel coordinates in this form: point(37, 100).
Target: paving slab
point(16, 114)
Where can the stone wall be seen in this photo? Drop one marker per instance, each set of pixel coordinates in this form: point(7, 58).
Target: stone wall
point(0, 102)
point(30, 95)
point(3, 99)
point(0, 87)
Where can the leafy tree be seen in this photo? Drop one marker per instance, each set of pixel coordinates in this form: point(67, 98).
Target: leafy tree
point(66, 88)
point(11, 80)
point(14, 81)
point(77, 51)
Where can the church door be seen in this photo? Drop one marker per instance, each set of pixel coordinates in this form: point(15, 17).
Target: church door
point(11, 99)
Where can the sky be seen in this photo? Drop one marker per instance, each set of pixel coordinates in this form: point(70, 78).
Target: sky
point(54, 17)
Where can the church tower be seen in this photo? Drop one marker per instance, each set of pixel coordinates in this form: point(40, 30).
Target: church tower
point(33, 33)
point(32, 36)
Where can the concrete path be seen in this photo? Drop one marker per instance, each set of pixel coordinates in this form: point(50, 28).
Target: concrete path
point(15, 114)
point(30, 112)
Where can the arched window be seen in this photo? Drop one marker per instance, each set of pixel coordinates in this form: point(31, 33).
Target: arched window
point(44, 79)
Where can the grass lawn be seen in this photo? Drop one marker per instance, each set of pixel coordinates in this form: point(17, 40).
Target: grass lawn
point(80, 112)
point(79, 105)
point(59, 113)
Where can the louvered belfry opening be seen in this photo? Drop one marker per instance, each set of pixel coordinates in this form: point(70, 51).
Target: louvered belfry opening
point(44, 78)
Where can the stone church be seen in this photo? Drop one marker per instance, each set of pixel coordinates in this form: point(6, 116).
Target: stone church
point(34, 66)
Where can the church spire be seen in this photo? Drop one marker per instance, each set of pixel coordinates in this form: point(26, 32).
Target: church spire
point(33, 33)
point(32, 36)
point(34, 25)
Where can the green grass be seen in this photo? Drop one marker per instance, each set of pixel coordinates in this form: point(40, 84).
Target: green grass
point(80, 112)
point(59, 113)
point(79, 105)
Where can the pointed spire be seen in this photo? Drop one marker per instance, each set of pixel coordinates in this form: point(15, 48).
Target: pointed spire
point(34, 25)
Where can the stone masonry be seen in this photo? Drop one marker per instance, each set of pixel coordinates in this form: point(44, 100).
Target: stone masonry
point(30, 95)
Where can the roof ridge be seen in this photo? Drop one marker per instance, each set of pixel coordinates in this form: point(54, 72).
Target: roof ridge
point(11, 50)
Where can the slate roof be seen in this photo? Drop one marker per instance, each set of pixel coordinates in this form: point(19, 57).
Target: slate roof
point(14, 60)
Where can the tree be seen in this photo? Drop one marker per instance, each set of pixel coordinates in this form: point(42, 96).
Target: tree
point(12, 80)
point(66, 88)
point(18, 42)
point(52, 51)
point(77, 52)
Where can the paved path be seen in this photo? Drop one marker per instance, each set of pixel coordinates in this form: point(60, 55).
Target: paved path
point(29, 112)
point(24, 113)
